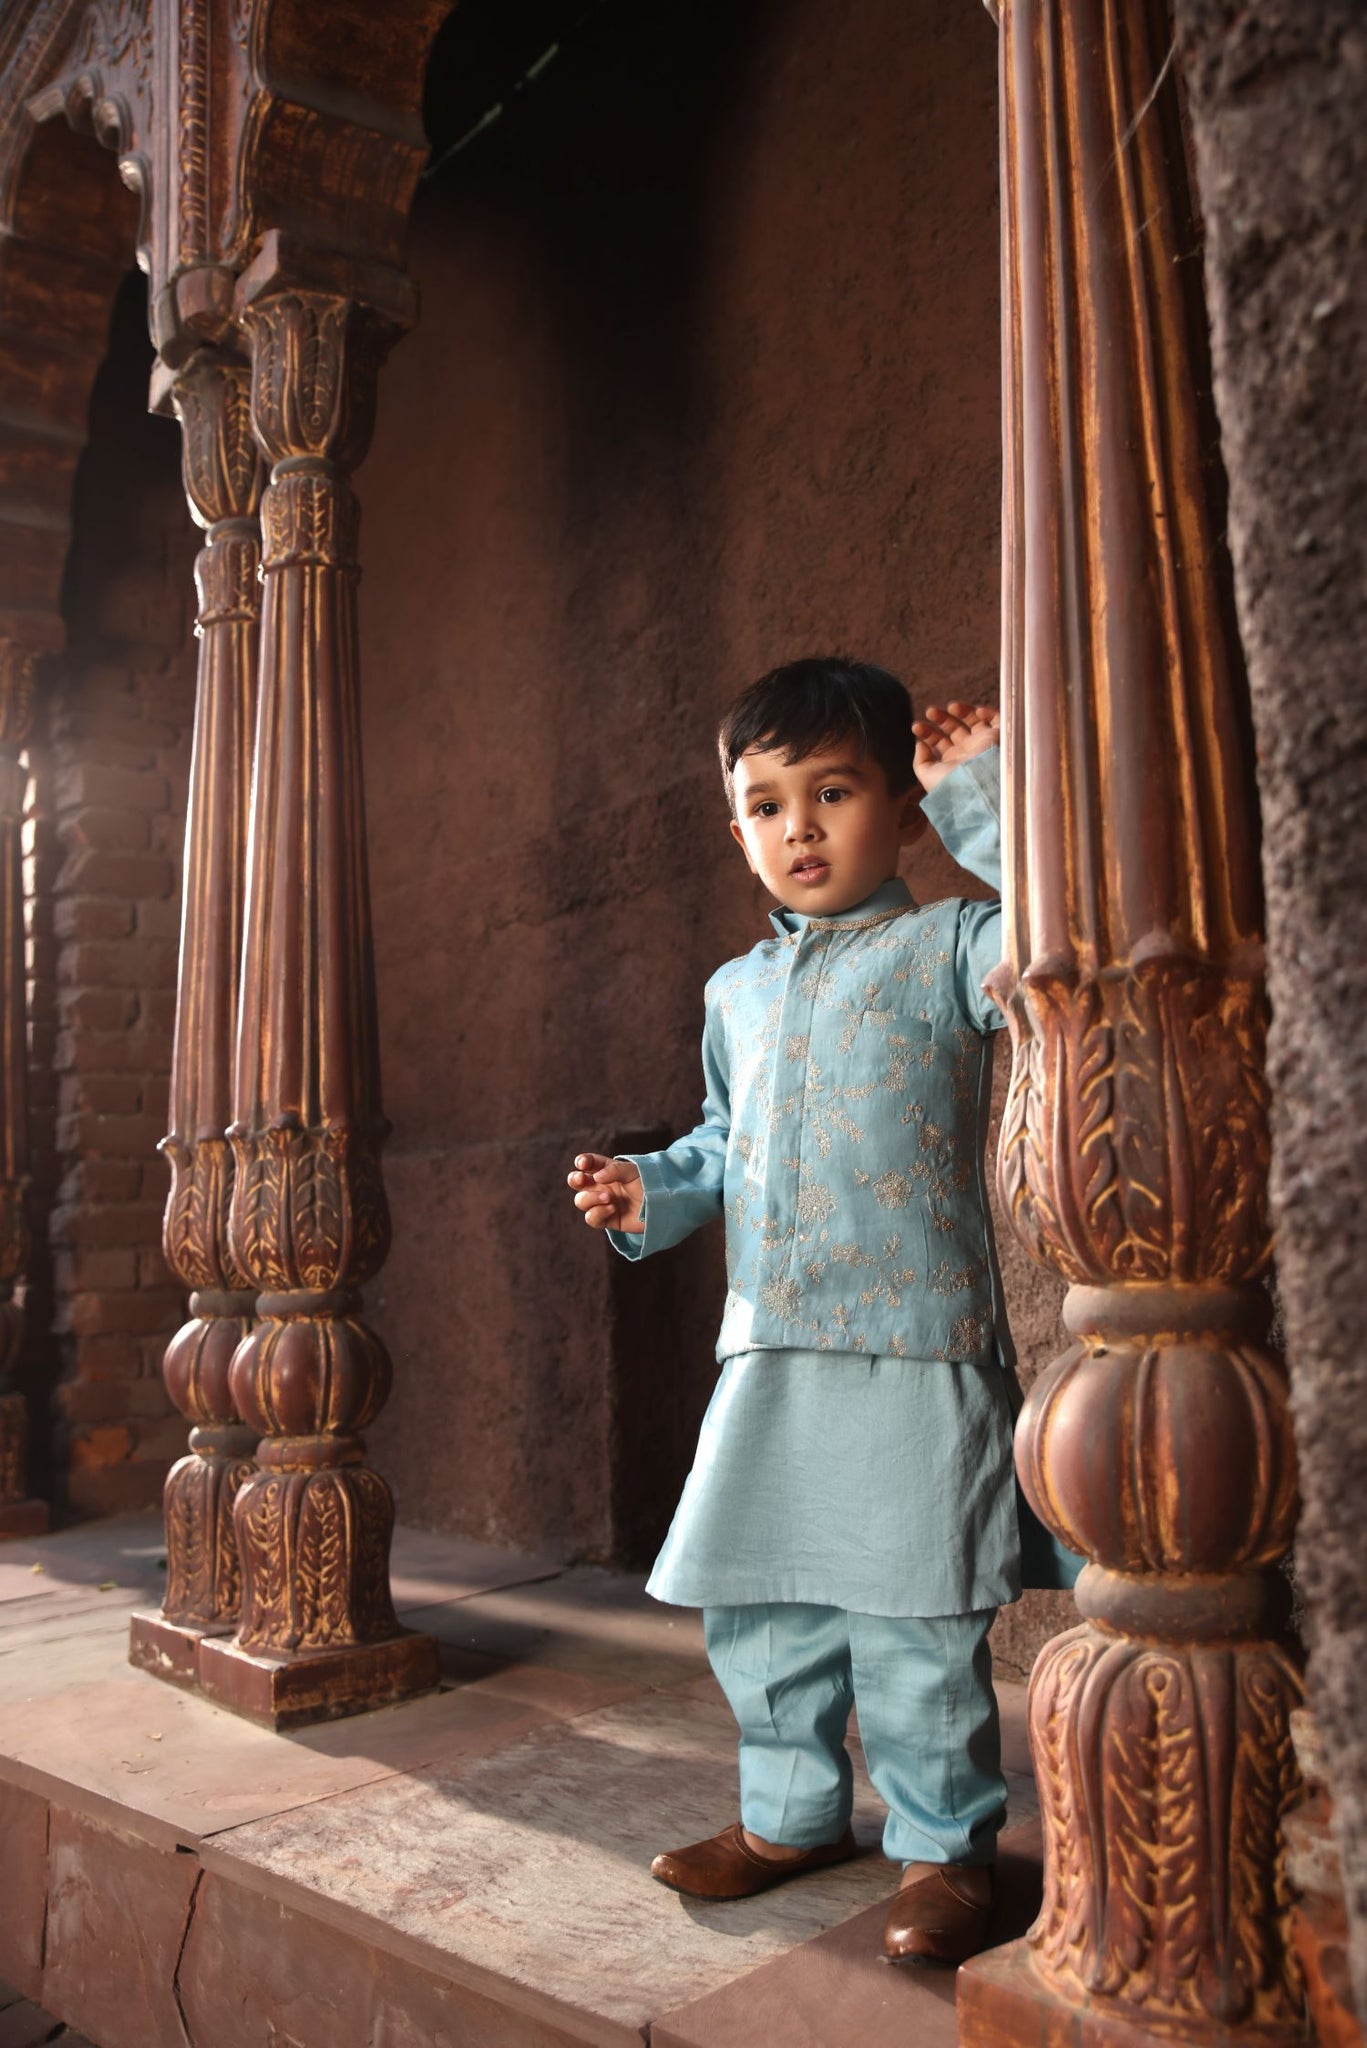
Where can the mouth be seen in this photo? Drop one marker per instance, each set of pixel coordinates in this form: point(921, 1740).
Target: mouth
point(809, 870)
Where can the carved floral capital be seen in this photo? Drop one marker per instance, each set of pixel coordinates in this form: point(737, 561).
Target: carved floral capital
point(315, 362)
point(220, 461)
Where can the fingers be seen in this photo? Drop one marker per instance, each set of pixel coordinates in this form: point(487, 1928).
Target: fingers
point(607, 1192)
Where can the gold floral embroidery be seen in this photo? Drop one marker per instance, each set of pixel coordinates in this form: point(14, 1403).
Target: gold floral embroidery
point(815, 1203)
point(782, 1298)
point(836, 1056)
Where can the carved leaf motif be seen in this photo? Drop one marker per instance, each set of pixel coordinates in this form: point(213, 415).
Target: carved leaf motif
point(1182, 1874)
point(1135, 1146)
point(193, 1231)
point(189, 1573)
point(259, 1217)
point(1062, 1667)
point(1138, 1848)
point(1266, 1780)
point(265, 1542)
point(1097, 1176)
point(116, 31)
point(375, 1615)
point(1131, 1880)
point(316, 1212)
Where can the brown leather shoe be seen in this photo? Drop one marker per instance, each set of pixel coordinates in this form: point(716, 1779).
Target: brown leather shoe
point(941, 1918)
point(726, 1867)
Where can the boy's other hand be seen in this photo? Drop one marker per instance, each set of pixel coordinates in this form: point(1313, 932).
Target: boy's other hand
point(946, 737)
point(609, 1194)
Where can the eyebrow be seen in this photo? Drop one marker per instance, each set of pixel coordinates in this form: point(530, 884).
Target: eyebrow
point(820, 773)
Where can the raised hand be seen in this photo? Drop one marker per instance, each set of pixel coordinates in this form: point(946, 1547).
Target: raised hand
point(946, 737)
point(609, 1193)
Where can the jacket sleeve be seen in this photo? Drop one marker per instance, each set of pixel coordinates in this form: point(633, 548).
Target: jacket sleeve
point(965, 810)
point(683, 1184)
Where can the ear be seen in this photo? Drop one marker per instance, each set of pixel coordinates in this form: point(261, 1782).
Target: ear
point(739, 838)
point(913, 823)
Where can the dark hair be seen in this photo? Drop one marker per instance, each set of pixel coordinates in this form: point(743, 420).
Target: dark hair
point(823, 698)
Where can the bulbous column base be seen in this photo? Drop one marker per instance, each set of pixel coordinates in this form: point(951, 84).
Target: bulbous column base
point(203, 1574)
point(1164, 1769)
point(285, 1689)
point(1001, 2000)
point(318, 1637)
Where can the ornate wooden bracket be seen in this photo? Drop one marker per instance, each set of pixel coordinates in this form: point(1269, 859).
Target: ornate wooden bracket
point(1135, 1147)
point(309, 1223)
point(222, 472)
point(19, 1515)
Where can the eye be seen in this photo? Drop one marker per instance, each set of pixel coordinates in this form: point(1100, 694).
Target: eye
point(766, 809)
point(832, 794)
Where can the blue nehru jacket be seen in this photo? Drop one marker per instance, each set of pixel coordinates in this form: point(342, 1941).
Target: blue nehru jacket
point(848, 1081)
point(857, 1449)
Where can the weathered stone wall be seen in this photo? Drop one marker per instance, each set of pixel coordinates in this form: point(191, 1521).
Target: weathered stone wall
point(1277, 99)
point(708, 376)
point(106, 820)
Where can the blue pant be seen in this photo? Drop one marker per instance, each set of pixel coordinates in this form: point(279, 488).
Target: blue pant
point(927, 1720)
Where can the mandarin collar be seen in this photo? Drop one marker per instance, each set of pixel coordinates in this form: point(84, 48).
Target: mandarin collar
point(888, 898)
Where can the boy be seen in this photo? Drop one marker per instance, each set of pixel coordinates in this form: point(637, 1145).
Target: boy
point(849, 1527)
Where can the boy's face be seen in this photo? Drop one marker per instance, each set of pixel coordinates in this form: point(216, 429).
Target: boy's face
point(822, 833)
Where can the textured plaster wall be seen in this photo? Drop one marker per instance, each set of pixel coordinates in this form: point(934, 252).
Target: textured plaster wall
point(707, 377)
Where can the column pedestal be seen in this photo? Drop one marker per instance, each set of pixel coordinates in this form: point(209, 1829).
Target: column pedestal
point(290, 1689)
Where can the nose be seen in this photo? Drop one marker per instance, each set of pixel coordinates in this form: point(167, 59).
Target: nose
point(801, 825)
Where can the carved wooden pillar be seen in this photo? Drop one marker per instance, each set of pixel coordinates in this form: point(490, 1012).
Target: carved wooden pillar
point(310, 1223)
point(1135, 1148)
point(19, 1515)
point(222, 474)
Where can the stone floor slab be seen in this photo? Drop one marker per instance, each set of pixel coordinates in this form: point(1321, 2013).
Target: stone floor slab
point(176, 1759)
point(569, 1817)
point(470, 1866)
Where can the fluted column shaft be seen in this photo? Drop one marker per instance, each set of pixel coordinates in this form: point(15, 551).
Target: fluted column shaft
point(309, 1221)
point(19, 1515)
point(222, 475)
point(1135, 1147)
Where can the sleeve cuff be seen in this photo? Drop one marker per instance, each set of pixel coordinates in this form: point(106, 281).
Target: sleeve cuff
point(965, 810)
point(634, 1244)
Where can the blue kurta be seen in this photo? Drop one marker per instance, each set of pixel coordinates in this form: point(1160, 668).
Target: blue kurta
point(857, 1449)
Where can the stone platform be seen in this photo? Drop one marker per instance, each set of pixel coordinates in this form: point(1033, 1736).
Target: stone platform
point(470, 1868)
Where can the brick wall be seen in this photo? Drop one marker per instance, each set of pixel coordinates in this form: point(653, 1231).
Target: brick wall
point(107, 800)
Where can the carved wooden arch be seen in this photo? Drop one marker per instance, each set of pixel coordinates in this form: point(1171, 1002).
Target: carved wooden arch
point(66, 240)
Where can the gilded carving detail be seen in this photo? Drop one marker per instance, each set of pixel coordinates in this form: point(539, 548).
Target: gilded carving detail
point(315, 1550)
point(309, 519)
point(195, 1225)
point(203, 1571)
point(309, 1208)
point(222, 472)
point(314, 360)
point(1162, 1832)
point(1134, 1143)
point(226, 580)
point(220, 462)
point(1134, 1148)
